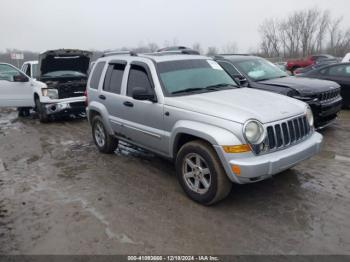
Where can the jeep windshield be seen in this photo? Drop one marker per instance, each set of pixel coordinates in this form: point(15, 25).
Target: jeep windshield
point(260, 70)
point(193, 76)
point(64, 73)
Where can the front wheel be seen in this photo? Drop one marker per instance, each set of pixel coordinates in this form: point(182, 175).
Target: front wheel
point(23, 111)
point(105, 142)
point(201, 174)
point(43, 117)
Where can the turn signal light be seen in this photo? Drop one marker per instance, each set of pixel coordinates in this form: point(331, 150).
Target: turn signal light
point(236, 149)
point(236, 170)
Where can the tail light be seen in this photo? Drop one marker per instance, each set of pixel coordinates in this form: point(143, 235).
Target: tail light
point(86, 98)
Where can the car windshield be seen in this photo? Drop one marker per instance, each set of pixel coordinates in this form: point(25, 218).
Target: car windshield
point(192, 76)
point(64, 73)
point(260, 69)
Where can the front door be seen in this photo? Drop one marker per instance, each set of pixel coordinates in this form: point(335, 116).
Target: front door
point(142, 120)
point(16, 89)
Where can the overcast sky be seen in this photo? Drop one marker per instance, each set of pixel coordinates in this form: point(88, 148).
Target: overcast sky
point(39, 25)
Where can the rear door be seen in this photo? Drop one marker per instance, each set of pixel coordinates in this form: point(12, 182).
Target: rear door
point(110, 94)
point(16, 89)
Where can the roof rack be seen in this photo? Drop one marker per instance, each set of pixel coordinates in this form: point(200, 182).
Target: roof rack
point(222, 56)
point(178, 52)
point(111, 53)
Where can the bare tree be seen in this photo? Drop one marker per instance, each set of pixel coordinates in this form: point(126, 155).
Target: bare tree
point(303, 33)
point(290, 30)
point(308, 30)
point(197, 46)
point(270, 37)
point(212, 50)
point(323, 24)
point(230, 48)
point(152, 47)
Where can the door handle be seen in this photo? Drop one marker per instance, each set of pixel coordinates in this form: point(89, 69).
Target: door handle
point(129, 104)
point(102, 97)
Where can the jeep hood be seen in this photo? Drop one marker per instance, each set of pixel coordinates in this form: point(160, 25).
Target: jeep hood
point(305, 86)
point(64, 59)
point(239, 105)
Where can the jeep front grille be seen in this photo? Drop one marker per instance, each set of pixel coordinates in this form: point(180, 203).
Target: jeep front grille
point(329, 95)
point(287, 133)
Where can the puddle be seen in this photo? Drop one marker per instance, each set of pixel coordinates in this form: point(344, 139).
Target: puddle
point(8, 120)
point(342, 158)
point(2, 166)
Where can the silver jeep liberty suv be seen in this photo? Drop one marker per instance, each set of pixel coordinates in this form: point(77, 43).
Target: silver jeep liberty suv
point(187, 108)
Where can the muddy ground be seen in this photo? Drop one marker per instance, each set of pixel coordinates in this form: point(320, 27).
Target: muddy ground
point(58, 195)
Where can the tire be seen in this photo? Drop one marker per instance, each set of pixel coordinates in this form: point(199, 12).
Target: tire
point(43, 117)
point(23, 111)
point(218, 186)
point(105, 143)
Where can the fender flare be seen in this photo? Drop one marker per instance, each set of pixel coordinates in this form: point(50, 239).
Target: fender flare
point(213, 134)
point(102, 111)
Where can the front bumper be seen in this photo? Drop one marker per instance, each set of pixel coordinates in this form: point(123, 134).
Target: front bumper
point(325, 112)
point(65, 107)
point(256, 168)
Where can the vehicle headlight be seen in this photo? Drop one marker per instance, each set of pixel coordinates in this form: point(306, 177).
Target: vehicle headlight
point(309, 116)
point(254, 132)
point(50, 92)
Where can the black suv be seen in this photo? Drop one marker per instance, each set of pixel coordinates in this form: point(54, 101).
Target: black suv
point(255, 72)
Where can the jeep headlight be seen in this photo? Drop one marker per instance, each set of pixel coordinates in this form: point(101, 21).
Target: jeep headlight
point(50, 92)
point(309, 116)
point(254, 132)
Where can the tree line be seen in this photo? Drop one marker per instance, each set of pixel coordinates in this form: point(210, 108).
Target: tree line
point(230, 47)
point(302, 33)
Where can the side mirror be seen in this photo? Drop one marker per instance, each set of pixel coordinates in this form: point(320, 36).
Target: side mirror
point(20, 78)
point(141, 93)
point(241, 80)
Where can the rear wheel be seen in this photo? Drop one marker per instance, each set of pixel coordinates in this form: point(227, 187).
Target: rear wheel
point(201, 174)
point(105, 142)
point(39, 108)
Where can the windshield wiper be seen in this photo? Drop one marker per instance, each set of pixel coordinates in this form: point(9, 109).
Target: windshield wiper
point(219, 86)
point(188, 90)
point(265, 79)
point(208, 88)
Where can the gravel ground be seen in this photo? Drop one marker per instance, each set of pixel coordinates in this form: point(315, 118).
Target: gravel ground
point(58, 195)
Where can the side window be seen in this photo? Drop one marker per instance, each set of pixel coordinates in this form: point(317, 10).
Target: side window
point(138, 77)
point(347, 71)
point(230, 69)
point(337, 71)
point(8, 73)
point(28, 71)
point(24, 67)
point(96, 75)
point(323, 71)
point(114, 77)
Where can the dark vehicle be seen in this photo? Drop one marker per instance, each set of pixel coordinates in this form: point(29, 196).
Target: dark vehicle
point(322, 96)
point(64, 71)
point(339, 73)
point(322, 63)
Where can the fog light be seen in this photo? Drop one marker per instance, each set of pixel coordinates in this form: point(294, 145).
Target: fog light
point(236, 149)
point(236, 170)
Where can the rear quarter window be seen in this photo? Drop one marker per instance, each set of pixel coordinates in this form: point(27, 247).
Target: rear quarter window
point(96, 75)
